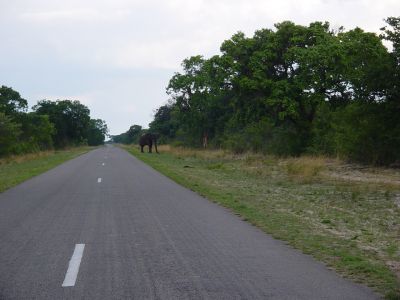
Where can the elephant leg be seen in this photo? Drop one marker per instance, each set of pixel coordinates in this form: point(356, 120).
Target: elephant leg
point(141, 148)
point(150, 146)
point(155, 145)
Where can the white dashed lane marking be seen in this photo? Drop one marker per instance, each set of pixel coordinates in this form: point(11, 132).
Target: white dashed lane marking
point(98, 180)
point(73, 267)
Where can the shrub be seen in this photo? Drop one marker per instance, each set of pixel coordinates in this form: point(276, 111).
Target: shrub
point(368, 133)
point(322, 134)
point(9, 135)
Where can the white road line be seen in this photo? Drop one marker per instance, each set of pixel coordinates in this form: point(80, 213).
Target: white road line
point(98, 180)
point(73, 267)
point(103, 164)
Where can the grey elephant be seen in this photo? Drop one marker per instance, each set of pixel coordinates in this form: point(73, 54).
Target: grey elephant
point(148, 139)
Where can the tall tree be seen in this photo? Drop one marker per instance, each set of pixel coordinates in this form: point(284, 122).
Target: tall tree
point(11, 101)
point(391, 33)
point(291, 89)
point(37, 132)
point(70, 118)
point(97, 132)
point(9, 134)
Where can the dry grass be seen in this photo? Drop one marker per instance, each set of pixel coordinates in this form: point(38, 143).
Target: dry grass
point(37, 155)
point(25, 157)
point(303, 168)
point(306, 168)
point(195, 153)
point(390, 178)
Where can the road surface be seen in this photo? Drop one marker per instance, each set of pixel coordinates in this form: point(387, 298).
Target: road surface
point(106, 226)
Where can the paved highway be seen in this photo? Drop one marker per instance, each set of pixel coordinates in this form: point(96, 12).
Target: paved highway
point(106, 226)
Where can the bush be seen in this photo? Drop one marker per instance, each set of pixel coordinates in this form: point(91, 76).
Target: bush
point(368, 133)
point(264, 137)
point(9, 134)
point(287, 140)
point(37, 132)
point(322, 133)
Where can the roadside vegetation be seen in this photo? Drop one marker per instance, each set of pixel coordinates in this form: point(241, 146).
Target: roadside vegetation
point(345, 215)
point(36, 141)
point(288, 91)
point(50, 125)
point(304, 119)
point(18, 168)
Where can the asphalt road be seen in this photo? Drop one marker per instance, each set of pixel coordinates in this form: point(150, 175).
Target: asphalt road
point(142, 236)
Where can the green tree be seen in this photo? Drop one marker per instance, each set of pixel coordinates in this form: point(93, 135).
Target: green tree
point(9, 134)
point(367, 132)
point(36, 132)
point(291, 89)
point(97, 132)
point(134, 133)
point(11, 101)
point(122, 138)
point(162, 122)
point(366, 66)
point(391, 33)
point(189, 93)
point(70, 118)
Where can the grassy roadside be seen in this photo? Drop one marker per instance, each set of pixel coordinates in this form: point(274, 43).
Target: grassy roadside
point(343, 215)
point(16, 169)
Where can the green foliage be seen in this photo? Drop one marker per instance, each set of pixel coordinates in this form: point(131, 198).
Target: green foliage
point(37, 132)
point(134, 133)
point(164, 123)
point(368, 132)
point(11, 101)
point(122, 138)
point(365, 132)
point(322, 132)
point(9, 134)
point(129, 137)
point(52, 123)
point(97, 132)
point(253, 137)
point(70, 118)
point(289, 90)
point(391, 33)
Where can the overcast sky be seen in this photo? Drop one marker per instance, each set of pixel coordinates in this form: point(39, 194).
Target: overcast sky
point(117, 56)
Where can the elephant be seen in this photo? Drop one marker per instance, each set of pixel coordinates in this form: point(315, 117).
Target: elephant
point(148, 139)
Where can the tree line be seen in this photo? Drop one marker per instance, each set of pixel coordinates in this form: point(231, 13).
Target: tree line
point(291, 90)
point(131, 136)
point(50, 124)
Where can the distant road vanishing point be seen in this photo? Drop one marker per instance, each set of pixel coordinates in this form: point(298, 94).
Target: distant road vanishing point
point(107, 226)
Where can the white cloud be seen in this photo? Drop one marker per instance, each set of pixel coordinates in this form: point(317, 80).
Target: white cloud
point(159, 34)
point(81, 15)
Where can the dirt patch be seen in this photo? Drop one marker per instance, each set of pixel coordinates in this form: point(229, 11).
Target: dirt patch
point(395, 267)
point(364, 174)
